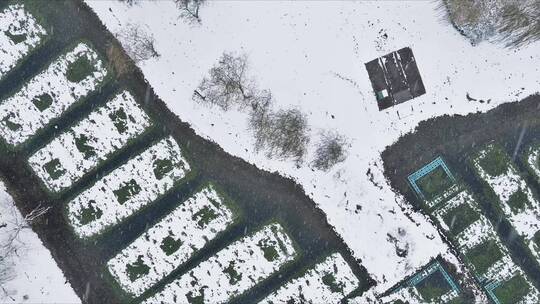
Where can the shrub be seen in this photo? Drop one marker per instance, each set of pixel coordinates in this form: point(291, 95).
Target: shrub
point(331, 150)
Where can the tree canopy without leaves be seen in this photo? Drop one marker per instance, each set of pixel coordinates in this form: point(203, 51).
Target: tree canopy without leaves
point(228, 85)
point(138, 44)
point(189, 9)
point(283, 134)
point(331, 150)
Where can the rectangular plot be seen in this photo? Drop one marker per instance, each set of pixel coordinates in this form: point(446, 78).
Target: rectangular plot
point(20, 33)
point(514, 196)
point(68, 157)
point(232, 271)
point(328, 282)
point(50, 93)
point(171, 242)
point(128, 188)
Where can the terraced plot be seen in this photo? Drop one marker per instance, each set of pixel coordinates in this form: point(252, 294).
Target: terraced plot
point(233, 270)
point(75, 152)
point(128, 188)
point(20, 34)
point(50, 93)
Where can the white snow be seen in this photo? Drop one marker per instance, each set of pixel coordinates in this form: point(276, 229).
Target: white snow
point(20, 118)
point(233, 270)
point(183, 224)
point(526, 221)
point(36, 277)
point(15, 21)
point(137, 179)
point(311, 55)
point(103, 132)
point(311, 288)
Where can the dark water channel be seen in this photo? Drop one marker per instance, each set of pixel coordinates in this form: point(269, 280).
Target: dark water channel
point(261, 196)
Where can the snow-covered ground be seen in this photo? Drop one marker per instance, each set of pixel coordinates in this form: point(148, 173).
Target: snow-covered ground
point(172, 241)
point(20, 34)
point(92, 140)
point(311, 55)
point(233, 270)
point(36, 277)
point(128, 188)
point(48, 95)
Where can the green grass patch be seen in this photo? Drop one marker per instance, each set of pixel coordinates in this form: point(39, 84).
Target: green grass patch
point(13, 126)
point(42, 102)
point(434, 183)
point(433, 287)
point(54, 168)
point(459, 218)
point(330, 281)
point(495, 161)
point(119, 118)
point(90, 213)
point(513, 290)
point(127, 191)
point(82, 145)
point(16, 38)
point(204, 216)
point(269, 250)
point(518, 201)
point(79, 69)
point(232, 274)
point(170, 245)
point(484, 256)
point(137, 269)
point(162, 167)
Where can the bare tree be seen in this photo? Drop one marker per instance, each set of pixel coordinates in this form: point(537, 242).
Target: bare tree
point(138, 44)
point(283, 134)
point(331, 150)
point(228, 85)
point(130, 2)
point(10, 243)
point(189, 9)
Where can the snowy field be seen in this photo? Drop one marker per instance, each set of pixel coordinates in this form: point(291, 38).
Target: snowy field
point(233, 270)
point(20, 34)
point(75, 152)
point(49, 94)
point(128, 188)
point(36, 277)
point(311, 55)
point(172, 241)
point(328, 282)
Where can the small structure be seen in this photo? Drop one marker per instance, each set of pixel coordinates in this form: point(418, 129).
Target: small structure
point(395, 78)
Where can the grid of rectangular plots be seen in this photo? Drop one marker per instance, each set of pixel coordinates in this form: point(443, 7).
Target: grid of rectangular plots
point(20, 34)
point(128, 188)
point(172, 241)
point(233, 270)
point(329, 281)
point(50, 93)
point(81, 148)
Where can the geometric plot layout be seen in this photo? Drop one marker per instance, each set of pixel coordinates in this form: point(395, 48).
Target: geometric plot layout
point(172, 241)
point(50, 93)
point(19, 35)
point(75, 152)
point(395, 78)
point(128, 188)
point(433, 284)
point(433, 183)
point(233, 270)
point(328, 282)
point(512, 194)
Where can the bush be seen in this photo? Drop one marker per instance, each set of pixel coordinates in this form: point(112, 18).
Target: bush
point(331, 150)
